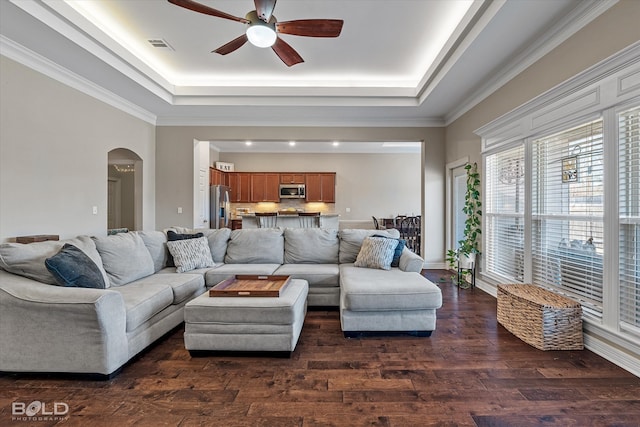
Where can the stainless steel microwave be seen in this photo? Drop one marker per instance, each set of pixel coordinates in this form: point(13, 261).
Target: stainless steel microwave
point(292, 191)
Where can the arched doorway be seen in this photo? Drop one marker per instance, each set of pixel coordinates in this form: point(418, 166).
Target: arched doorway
point(124, 190)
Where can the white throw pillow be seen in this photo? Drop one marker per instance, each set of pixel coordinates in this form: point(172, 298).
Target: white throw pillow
point(376, 252)
point(190, 254)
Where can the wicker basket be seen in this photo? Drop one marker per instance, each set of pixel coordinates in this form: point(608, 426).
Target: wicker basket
point(539, 317)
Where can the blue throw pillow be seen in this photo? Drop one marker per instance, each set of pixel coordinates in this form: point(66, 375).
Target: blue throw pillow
point(71, 267)
point(396, 254)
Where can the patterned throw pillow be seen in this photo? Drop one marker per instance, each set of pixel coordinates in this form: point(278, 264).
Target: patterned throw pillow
point(190, 254)
point(173, 236)
point(397, 252)
point(376, 252)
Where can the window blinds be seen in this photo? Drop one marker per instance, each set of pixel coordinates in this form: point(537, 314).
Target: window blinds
point(568, 212)
point(629, 212)
point(504, 208)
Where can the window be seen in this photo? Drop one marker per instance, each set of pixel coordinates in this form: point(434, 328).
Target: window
point(504, 208)
point(568, 213)
point(629, 218)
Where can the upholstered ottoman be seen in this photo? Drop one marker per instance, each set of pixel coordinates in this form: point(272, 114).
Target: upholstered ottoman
point(386, 301)
point(246, 323)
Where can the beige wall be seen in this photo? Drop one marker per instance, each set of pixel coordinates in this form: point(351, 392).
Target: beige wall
point(366, 183)
point(609, 33)
point(54, 142)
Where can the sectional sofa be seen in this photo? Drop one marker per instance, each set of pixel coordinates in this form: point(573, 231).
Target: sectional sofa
point(137, 292)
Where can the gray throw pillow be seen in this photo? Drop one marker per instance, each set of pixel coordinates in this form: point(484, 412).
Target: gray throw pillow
point(376, 252)
point(351, 241)
point(189, 254)
point(71, 267)
point(172, 236)
point(398, 252)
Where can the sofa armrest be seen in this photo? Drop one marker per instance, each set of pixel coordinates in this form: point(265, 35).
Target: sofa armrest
point(46, 328)
point(410, 261)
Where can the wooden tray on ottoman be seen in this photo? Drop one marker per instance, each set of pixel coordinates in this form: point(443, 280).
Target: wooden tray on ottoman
point(250, 285)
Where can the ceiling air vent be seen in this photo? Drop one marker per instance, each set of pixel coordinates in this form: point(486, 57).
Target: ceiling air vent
point(160, 44)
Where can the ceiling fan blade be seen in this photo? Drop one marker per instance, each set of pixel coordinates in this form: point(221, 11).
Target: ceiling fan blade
point(311, 27)
point(232, 45)
point(286, 53)
point(198, 7)
point(264, 8)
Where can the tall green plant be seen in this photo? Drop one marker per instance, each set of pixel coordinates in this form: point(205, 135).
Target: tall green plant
point(472, 226)
point(473, 210)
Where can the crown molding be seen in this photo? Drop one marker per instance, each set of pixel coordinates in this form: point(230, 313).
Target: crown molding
point(33, 60)
point(415, 122)
point(587, 11)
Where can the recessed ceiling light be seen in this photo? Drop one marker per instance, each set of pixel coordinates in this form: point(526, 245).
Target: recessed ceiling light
point(335, 143)
point(292, 143)
point(248, 143)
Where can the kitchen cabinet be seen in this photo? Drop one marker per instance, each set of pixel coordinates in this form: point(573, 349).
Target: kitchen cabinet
point(265, 187)
point(216, 177)
point(240, 184)
point(292, 178)
point(321, 187)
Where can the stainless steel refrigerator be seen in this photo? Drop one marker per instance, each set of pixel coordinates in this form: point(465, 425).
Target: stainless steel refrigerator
point(220, 209)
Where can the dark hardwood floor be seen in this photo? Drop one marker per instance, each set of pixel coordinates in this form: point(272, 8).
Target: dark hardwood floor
point(471, 371)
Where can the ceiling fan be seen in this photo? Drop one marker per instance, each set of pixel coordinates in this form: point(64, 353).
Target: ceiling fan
point(263, 28)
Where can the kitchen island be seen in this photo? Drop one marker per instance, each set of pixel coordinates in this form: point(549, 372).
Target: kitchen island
point(329, 221)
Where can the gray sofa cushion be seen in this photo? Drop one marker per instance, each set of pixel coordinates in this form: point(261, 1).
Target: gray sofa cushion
point(27, 259)
point(184, 286)
point(255, 246)
point(318, 275)
point(125, 257)
point(143, 300)
point(351, 241)
point(156, 243)
point(218, 240)
point(311, 246)
point(365, 289)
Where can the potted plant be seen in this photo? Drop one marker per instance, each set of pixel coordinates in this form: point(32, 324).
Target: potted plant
point(465, 255)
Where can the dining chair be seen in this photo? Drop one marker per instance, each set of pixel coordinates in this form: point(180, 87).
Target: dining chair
point(309, 219)
point(376, 224)
point(267, 219)
point(409, 228)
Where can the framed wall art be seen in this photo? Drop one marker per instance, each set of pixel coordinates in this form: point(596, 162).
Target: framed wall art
point(570, 169)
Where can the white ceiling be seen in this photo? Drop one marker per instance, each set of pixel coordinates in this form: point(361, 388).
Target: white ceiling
point(396, 63)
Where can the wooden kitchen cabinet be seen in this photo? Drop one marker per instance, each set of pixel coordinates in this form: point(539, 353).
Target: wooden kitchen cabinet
point(240, 184)
point(320, 187)
point(265, 187)
point(216, 177)
point(292, 178)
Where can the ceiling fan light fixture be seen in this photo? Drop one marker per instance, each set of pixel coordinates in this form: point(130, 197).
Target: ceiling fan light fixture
point(260, 33)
